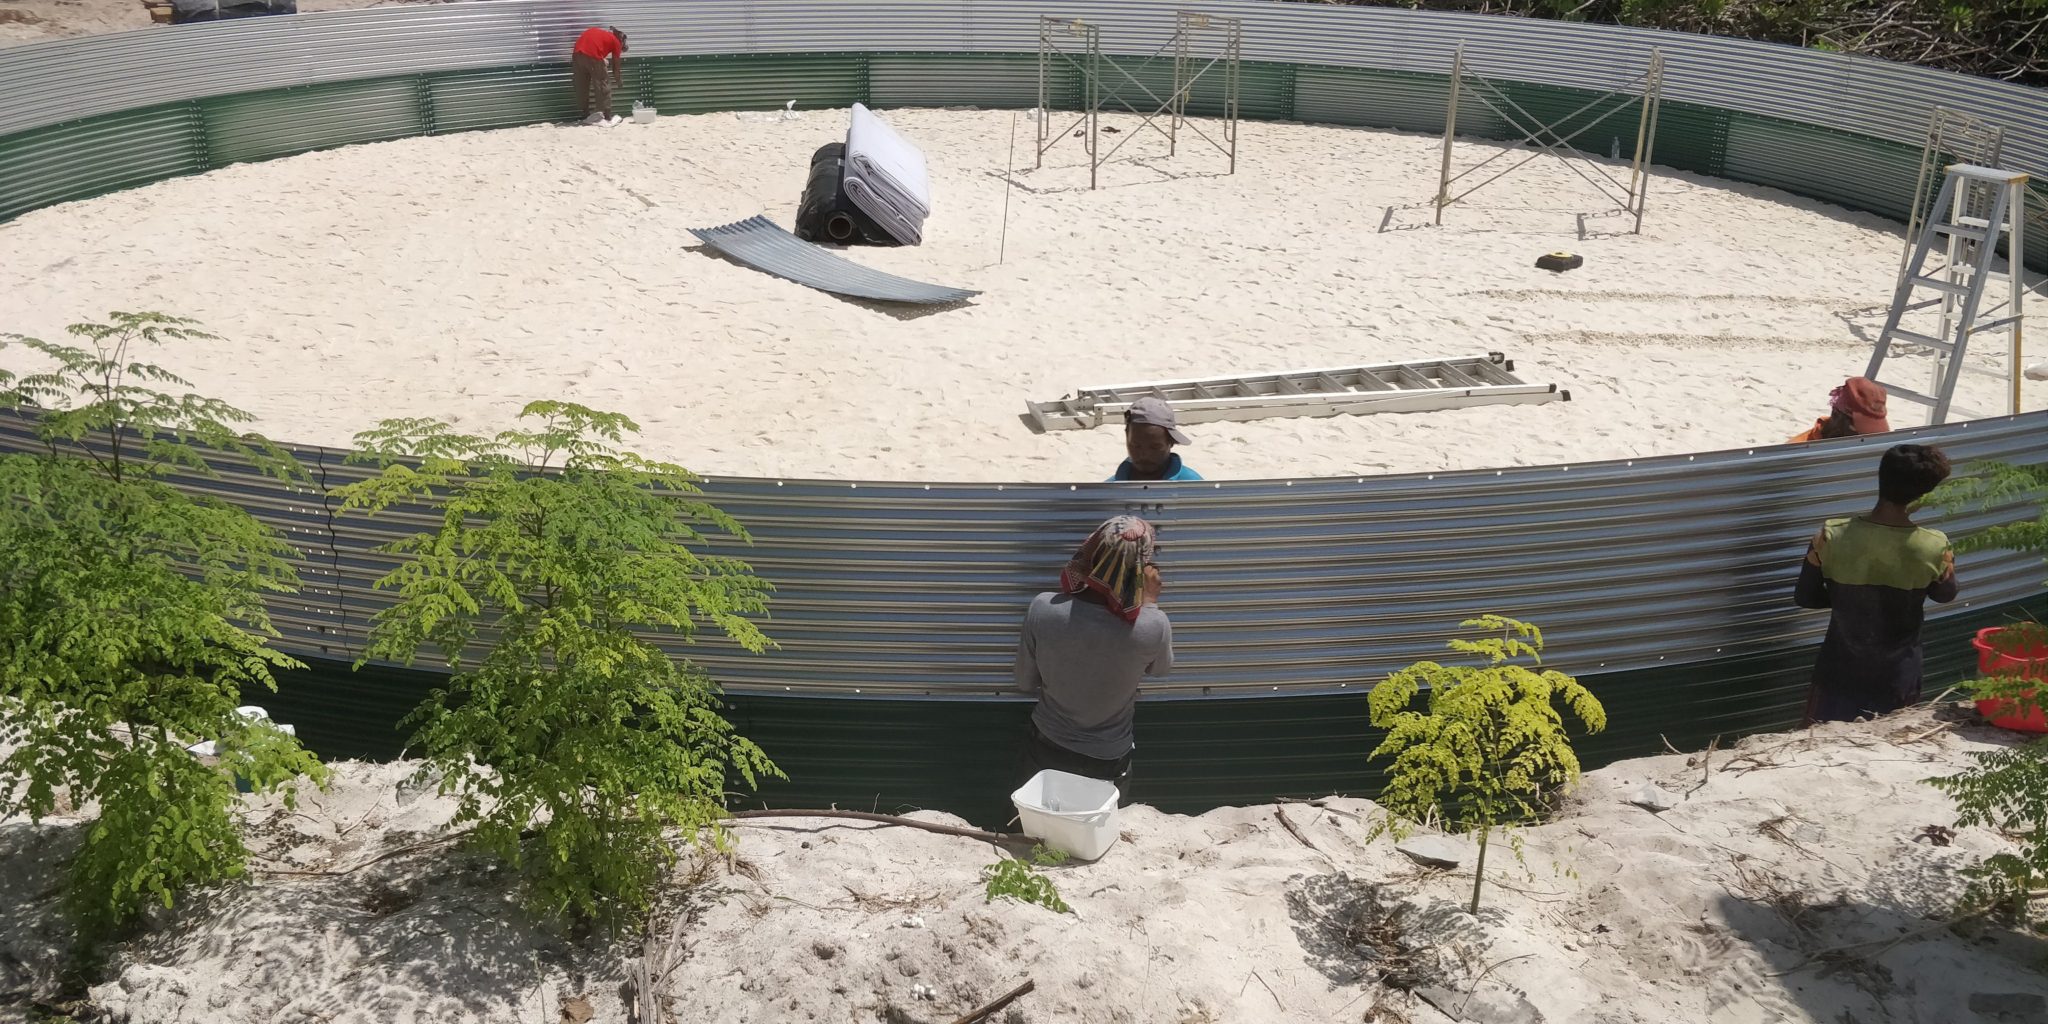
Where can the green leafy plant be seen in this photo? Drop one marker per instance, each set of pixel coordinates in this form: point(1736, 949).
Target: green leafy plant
point(1019, 879)
point(1488, 744)
point(132, 620)
point(2007, 789)
point(572, 740)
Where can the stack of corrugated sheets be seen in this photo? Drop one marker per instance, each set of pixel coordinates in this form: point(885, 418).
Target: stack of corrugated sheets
point(885, 177)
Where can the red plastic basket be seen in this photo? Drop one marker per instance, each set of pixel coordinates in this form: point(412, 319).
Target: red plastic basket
point(2029, 660)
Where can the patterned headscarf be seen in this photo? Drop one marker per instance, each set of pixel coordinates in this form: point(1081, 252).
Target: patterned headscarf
point(1865, 403)
point(1112, 563)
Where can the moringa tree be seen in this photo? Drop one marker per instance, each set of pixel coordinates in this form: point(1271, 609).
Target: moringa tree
point(132, 620)
point(1489, 741)
point(573, 742)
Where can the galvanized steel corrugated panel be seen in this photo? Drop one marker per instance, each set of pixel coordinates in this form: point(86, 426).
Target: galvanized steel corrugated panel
point(1274, 586)
point(764, 245)
point(134, 69)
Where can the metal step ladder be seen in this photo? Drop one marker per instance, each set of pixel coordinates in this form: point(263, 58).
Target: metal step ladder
point(1338, 391)
point(1976, 207)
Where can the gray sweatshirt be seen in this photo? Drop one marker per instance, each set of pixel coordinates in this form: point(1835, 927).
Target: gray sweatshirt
point(1084, 665)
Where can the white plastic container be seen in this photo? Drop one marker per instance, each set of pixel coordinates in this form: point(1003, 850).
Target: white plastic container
point(1071, 813)
point(643, 114)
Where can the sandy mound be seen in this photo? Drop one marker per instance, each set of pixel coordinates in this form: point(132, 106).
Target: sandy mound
point(1791, 882)
point(460, 276)
point(40, 21)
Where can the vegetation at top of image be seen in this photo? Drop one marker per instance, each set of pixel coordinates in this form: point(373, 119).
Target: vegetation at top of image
point(1489, 743)
point(2005, 790)
point(1019, 879)
point(132, 620)
point(573, 743)
point(1995, 38)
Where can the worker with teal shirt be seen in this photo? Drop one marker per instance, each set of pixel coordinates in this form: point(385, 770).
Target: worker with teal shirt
point(1150, 432)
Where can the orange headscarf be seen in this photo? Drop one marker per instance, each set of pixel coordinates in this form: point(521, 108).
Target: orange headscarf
point(1864, 403)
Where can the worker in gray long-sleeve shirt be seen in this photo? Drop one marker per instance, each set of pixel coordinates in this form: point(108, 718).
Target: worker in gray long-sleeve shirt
point(1083, 650)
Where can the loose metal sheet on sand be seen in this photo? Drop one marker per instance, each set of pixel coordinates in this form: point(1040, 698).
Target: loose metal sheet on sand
point(765, 246)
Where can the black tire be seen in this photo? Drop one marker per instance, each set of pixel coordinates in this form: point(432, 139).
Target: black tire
point(1559, 262)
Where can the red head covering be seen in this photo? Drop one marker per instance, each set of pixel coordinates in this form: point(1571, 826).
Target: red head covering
point(1112, 563)
point(1864, 401)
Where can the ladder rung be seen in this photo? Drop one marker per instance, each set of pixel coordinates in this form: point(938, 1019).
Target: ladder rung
point(1915, 337)
point(1286, 385)
point(1960, 231)
point(1452, 375)
point(1940, 285)
point(1908, 394)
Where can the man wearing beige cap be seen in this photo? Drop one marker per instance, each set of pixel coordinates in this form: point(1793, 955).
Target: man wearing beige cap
point(1149, 436)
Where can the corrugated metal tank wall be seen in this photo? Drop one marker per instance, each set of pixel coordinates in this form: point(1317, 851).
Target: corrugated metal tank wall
point(1665, 583)
point(115, 111)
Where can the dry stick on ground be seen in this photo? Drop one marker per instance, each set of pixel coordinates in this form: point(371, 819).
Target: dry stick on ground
point(891, 819)
point(982, 1012)
point(1281, 815)
point(1706, 765)
point(1269, 991)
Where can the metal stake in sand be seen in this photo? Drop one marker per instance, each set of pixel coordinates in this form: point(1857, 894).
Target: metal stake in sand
point(1009, 172)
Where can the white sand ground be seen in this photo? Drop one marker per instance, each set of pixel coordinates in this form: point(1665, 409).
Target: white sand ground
point(461, 276)
point(1792, 882)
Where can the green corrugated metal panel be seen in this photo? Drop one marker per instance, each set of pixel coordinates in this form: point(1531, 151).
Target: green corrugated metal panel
point(1848, 170)
point(262, 125)
point(1593, 123)
point(501, 97)
point(1402, 101)
point(960, 755)
point(1002, 82)
point(1265, 91)
point(1691, 138)
point(696, 85)
point(82, 159)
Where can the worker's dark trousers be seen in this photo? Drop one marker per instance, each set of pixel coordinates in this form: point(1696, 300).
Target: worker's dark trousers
point(593, 86)
point(1041, 754)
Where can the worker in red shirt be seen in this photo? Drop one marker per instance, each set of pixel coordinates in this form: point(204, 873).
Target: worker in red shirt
point(593, 87)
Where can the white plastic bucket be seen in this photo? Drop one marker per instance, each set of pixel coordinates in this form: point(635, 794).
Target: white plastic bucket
point(1071, 813)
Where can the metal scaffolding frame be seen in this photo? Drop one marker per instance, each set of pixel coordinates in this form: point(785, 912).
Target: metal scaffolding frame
point(1629, 199)
point(1200, 44)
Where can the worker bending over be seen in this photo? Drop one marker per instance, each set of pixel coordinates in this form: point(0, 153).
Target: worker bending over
point(593, 86)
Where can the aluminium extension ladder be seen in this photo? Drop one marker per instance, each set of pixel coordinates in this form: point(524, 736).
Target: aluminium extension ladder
point(1347, 390)
point(1981, 204)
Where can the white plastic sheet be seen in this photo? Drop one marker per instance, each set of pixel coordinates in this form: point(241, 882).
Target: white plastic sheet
point(885, 176)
